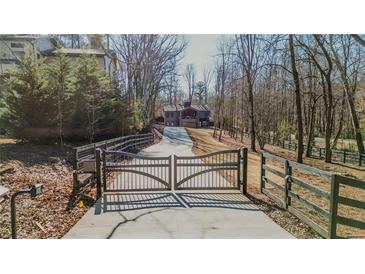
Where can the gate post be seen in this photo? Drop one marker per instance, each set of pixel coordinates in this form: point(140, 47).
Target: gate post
point(175, 172)
point(104, 170)
point(332, 226)
point(170, 173)
point(243, 160)
point(262, 171)
point(98, 173)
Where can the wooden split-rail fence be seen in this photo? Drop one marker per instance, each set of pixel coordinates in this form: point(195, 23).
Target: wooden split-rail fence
point(322, 209)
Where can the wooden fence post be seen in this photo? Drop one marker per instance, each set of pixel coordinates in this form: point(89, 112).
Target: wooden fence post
point(332, 226)
point(98, 173)
point(360, 156)
point(243, 160)
point(288, 173)
point(262, 172)
point(344, 156)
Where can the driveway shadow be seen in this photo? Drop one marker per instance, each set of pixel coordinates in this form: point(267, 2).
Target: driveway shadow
point(134, 201)
point(218, 200)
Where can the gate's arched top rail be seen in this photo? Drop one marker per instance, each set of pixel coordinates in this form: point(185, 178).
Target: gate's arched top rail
point(135, 156)
point(207, 154)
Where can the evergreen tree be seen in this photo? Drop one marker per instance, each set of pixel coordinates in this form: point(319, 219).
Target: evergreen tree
point(28, 104)
point(61, 87)
point(93, 96)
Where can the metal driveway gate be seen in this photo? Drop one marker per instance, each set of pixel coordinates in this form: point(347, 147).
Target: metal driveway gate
point(217, 170)
point(123, 171)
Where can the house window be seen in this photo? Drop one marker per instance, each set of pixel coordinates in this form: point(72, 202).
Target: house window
point(17, 45)
point(167, 114)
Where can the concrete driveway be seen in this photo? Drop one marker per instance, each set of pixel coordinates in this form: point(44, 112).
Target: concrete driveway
point(163, 215)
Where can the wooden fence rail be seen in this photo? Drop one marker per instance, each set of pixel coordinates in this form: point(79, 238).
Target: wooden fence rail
point(333, 197)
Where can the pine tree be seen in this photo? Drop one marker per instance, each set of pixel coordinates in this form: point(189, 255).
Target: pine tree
point(28, 104)
point(92, 97)
point(61, 87)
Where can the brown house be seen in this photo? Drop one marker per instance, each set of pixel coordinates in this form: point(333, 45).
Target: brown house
point(187, 115)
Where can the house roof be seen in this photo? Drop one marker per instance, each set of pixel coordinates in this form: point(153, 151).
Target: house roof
point(179, 108)
point(77, 52)
point(172, 108)
point(200, 107)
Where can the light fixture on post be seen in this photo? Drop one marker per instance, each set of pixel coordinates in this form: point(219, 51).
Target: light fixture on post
point(33, 191)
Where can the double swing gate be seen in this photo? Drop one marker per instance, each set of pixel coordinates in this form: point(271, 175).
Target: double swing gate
point(118, 171)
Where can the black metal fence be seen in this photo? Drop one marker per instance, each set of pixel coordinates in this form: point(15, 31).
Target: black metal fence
point(85, 156)
point(124, 171)
point(217, 170)
point(342, 156)
point(319, 152)
point(315, 203)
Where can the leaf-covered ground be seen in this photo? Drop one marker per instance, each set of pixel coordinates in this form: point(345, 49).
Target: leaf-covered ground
point(55, 211)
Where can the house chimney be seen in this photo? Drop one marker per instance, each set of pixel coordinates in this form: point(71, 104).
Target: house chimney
point(187, 104)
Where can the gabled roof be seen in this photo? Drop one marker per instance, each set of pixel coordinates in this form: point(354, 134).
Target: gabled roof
point(200, 107)
point(76, 52)
point(172, 108)
point(179, 108)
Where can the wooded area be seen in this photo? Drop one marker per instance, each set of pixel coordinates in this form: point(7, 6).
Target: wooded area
point(74, 98)
point(291, 87)
point(273, 87)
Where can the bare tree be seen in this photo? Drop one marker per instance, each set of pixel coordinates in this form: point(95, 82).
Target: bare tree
point(347, 58)
point(206, 79)
point(224, 58)
point(251, 56)
point(189, 75)
point(145, 63)
point(297, 100)
point(318, 52)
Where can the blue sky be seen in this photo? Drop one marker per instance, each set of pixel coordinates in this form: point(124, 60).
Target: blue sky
point(200, 52)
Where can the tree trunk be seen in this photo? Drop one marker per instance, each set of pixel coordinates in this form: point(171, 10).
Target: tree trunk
point(311, 131)
point(328, 129)
point(252, 117)
point(297, 101)
point(355, 123)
